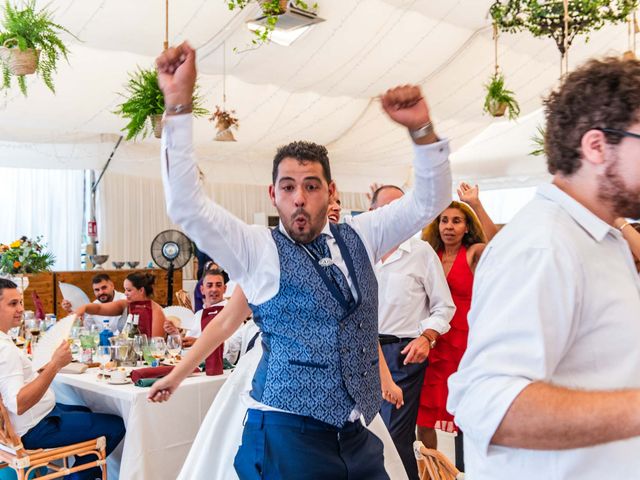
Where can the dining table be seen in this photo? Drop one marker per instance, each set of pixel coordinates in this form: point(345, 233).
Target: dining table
point(159, 435)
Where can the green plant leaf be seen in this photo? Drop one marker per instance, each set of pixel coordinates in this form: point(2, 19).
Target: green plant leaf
point(498, 94)
point(144, 99)
point(25, 27)
point(546, 18)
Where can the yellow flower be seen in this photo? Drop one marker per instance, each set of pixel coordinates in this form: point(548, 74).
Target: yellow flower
point(16, 244)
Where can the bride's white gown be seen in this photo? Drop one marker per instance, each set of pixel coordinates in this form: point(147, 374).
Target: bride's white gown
point(214, 448)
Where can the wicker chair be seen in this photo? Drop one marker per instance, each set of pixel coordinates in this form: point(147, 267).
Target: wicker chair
point(24, 462)
point(434, 465)
point(183, 299)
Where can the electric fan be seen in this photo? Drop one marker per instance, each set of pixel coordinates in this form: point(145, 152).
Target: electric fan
point(171, 249)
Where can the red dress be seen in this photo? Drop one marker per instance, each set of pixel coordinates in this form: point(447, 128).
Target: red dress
point(445, 358)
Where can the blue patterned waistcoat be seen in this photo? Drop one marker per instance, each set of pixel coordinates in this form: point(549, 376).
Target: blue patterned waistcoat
point(320, 354)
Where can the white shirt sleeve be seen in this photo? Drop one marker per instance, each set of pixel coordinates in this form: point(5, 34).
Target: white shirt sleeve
point(238, 247)
point(441, 306)
point(233, 344)
point(387, 227)
point(11, 377)
point(515, 336)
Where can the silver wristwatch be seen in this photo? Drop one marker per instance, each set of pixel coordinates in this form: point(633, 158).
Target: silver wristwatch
point(423, 131)
point(178, 109)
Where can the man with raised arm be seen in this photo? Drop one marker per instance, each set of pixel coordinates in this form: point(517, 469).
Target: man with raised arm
point(311, 286)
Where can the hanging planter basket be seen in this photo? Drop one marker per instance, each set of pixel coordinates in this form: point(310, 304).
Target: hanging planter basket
point(496, 109)
point(629, 55)
point(19, 62)
point(225, 135)
point(225, 120)
point(156, 123)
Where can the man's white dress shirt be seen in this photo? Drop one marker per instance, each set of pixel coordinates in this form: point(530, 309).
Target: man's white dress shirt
point(248, 252)
point(556, 299)
point(15, 372)
point(236, 345)
point(115, 322)
point(413, 294)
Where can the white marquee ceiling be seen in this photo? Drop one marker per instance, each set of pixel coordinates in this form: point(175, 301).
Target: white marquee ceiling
point(322, 88)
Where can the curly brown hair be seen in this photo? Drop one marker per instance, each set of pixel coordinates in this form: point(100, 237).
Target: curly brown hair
point(303, 152)
point(431, 233)
point(600, 94)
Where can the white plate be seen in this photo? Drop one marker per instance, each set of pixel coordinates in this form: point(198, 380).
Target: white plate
point(120, 382)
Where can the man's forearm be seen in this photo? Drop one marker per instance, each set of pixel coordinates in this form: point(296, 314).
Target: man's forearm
point(547, 417)
point(32, 392)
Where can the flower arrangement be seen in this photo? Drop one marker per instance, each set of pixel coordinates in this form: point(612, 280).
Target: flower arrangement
point(25, 256)
point(224, 120)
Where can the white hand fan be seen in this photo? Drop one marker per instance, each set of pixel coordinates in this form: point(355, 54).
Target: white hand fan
point(51, 340)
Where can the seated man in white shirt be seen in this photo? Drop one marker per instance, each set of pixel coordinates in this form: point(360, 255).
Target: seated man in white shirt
point(213, 288)
point(414, 309)
point(105, 292)
point(549, 386)
point(34, 413)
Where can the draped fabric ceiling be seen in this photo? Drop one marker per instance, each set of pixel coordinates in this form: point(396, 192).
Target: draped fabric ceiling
point(322, 88)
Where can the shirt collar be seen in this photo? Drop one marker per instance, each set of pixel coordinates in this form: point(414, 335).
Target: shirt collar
point(5, 337)
point(404, 247)
point(593, 225)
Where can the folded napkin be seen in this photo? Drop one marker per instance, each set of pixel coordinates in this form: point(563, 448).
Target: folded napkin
point(74, 368)
point(145, 377)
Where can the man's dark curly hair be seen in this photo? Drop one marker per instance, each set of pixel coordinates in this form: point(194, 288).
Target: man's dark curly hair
point(600, 94)
point(303, 152)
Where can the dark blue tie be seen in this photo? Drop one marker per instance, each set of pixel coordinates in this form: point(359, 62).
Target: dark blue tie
point(320, 248)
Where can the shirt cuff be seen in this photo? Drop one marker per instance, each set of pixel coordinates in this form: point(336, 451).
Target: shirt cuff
point(178, 130)
point(483, 410)
point(432, 154)
point(436, 324)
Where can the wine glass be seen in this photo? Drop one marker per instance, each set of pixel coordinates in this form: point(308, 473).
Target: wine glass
point(103, 356)
point(140, 342)
point(174, 345)
point(95, 333)
point(33, 327)
point(158, 348)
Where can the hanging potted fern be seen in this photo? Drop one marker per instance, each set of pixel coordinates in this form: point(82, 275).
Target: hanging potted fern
point(499, 100)
point(144, 105)
point(30, 43)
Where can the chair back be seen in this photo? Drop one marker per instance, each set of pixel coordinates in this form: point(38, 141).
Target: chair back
point(183, 299)
point(8, 436)
point(434, 465)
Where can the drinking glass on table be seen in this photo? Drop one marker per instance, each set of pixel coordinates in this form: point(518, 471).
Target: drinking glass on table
point(140, 342)
point(174, 345)
point(33, 327)
point(103, 356)
point(158, 348)
point(95, 333)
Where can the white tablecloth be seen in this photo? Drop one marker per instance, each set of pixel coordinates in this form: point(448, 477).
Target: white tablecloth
point(159, 436)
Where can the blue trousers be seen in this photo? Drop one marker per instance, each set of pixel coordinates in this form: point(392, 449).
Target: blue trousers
point(284, 446)
point(67, 424)
point(402, 422)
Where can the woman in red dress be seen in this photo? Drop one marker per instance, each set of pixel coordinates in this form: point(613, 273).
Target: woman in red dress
point(457, 236)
